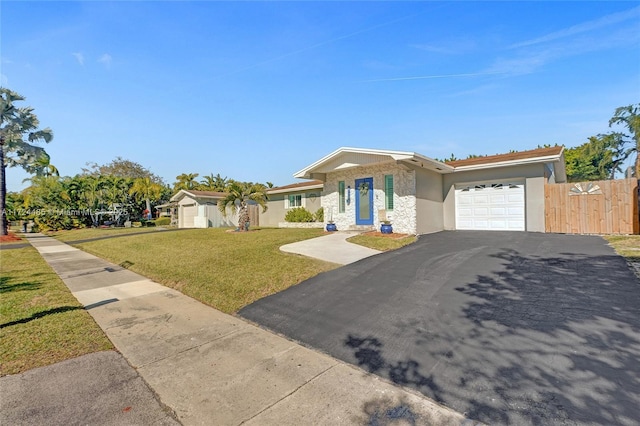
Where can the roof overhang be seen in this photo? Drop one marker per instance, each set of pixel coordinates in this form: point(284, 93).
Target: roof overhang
point(519, 162)
point(346, 158)
point(299, 188)
point(183, 193)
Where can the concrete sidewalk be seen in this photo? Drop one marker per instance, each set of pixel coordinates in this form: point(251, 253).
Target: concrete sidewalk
point(213, 368)
point(333, 247)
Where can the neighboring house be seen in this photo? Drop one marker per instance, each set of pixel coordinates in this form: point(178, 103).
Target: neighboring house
point(284, 198)
point(362, 187)
point(199, 209)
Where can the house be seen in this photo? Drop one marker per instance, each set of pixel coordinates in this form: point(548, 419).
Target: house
point(362, 187)
point(283, 198)
point(199, 209)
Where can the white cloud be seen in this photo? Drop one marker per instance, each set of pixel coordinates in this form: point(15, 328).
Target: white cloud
point(105, 59)
point(79, 57)
point(613, 19)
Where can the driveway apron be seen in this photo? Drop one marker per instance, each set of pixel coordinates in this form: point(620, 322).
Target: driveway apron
point(505, 327)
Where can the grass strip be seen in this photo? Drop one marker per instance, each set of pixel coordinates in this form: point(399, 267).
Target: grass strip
point(41, 322)
point(382, 243)
point(626, 245)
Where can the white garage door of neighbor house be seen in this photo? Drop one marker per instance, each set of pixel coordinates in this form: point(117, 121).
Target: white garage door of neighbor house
point(491, 207)
point(188, 213)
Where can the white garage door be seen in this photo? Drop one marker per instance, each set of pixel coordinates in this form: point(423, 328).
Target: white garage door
point(188, 213)
point(491, 206)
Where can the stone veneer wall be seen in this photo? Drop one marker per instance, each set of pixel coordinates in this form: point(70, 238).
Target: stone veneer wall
point(403, 216)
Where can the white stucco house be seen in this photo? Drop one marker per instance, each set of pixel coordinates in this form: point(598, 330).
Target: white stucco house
point(199, 209)
point(358, 188)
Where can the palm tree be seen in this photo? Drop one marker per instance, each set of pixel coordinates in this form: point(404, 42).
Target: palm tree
point(238, 198)
point(87, 192)
point(16, 124)
point(186, 181)
point(147, 190)
point(629, 116)
point(214, 183)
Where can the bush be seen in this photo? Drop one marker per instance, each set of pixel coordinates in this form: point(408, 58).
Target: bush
point(299, 214)
point(163, 221)
point(319, 215)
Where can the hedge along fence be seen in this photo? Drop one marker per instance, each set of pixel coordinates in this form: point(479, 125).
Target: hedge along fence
point(599, 207)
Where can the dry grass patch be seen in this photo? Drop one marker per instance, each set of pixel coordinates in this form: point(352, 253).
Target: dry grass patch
point(41, 323)
point(226, 270)
point(626, 245)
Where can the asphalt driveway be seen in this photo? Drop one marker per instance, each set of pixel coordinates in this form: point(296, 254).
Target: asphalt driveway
point(506, 327)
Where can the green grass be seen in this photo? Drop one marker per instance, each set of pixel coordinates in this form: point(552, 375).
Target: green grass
point(226, 270)
point(382, 243)
point(86, 233)
point(626, 245)
point(41, 323)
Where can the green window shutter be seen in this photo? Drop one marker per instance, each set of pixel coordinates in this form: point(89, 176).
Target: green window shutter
point(388, 192)
point(341, 206)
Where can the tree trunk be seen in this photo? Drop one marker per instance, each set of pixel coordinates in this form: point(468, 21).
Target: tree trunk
point(243, 218)
point(3, 194)
point(148, 206)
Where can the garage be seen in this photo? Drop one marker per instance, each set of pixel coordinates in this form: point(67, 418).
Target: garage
point(188, 212)
point(491, 206)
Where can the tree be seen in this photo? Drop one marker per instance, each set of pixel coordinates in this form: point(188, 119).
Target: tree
point(16, 125)
point(628, 117)
point(186, 181)
point(122, 168)
point(147, 190)
point(598, 159)
point(238, 198)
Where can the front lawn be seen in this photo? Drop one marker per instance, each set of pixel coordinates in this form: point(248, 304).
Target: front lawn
point(88, 233)
point(226, 270)
point(41, 323)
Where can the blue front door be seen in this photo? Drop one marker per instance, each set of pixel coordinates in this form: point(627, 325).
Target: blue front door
point(364, 201)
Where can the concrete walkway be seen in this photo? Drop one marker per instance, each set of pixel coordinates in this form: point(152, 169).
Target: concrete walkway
point(331, 248)
point(213, 368)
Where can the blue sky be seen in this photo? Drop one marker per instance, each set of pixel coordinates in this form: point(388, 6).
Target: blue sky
point(259, 90)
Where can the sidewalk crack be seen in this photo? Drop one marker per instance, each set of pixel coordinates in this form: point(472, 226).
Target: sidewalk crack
point(289, 394)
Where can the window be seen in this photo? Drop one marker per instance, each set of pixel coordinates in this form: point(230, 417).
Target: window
point(388, 192)
point(341, 198)
point(295, 200)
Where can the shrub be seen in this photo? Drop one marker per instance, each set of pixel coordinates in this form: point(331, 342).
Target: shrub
point(163, 221)
point(319, 215)
point(299, 214)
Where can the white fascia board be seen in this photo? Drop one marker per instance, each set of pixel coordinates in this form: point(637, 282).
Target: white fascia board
point(520, 162)
point(179, 196)
point(183, 193)
point(395, 155)
point(297, 189)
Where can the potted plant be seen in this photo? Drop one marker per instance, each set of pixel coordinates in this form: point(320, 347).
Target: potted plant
point(331, 227)
point(386, 228)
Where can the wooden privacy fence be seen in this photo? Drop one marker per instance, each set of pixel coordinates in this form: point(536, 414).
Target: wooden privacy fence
point(254, 215)
point(599, 207)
